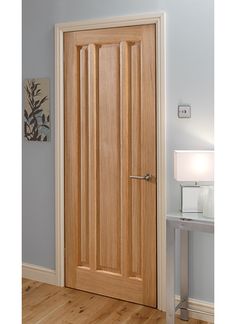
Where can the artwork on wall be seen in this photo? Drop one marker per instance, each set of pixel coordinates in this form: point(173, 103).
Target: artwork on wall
point(36, 110)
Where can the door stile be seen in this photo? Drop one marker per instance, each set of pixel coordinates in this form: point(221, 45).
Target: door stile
point(148, 148)
point(72, 161)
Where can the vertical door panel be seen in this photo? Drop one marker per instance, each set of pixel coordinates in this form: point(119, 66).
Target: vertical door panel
point(110, 134)
point(84, 203)
point(109, 226)
point(135, 157)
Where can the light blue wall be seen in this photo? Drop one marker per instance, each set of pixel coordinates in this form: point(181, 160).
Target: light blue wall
point(189, 80)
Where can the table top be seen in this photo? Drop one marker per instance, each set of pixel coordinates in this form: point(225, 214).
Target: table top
point(190, 216)
point(190, 221)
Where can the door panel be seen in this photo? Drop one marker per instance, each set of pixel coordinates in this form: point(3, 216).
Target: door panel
point(108, 162)
point(84, 159)
point(110, 134)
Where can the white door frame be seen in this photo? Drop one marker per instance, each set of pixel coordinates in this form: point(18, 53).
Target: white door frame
point(152, 18)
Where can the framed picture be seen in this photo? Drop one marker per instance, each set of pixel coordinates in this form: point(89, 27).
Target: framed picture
point(36, 110)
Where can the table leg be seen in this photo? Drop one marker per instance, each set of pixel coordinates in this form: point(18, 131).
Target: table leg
point(170, 274)
point(184, 277)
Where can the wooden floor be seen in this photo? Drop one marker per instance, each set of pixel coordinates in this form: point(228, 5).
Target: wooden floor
point(43, 303)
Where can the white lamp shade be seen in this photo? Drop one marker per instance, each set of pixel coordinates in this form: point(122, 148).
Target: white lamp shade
point(194, 165)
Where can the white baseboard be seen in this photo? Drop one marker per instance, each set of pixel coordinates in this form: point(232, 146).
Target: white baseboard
point(35, 272)
point(199, 306)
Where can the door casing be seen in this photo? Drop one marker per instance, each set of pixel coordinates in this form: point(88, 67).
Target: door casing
point(159, 20)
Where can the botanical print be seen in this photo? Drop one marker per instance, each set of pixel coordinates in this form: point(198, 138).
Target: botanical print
point(36, 110)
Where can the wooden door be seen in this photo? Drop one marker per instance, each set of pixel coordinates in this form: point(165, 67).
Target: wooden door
point(110, 134)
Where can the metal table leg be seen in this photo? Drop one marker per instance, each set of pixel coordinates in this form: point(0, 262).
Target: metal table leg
point(170, 274)
point(184, 276)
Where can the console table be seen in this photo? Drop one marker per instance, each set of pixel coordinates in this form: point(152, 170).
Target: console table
point(185, 222)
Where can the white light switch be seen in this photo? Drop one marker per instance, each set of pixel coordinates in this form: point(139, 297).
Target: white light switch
point(184, 111)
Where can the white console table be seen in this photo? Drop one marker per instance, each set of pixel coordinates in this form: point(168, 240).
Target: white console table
point(185, 222)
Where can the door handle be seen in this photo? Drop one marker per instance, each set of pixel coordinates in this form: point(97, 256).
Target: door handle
point(146, 177)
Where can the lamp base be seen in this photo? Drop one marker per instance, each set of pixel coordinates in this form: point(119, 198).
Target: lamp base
point(191, 201)
point(208, 202)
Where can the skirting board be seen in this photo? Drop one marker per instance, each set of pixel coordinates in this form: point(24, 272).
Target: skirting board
point(35, 272)
point(199, 306)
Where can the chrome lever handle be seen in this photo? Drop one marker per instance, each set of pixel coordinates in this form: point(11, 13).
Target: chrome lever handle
point(146, 177)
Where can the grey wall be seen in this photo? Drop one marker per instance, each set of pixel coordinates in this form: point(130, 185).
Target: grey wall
point(189, 80)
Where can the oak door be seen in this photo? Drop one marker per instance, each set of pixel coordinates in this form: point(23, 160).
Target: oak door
point(110, 135)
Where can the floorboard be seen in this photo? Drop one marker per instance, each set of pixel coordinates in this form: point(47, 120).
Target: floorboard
point(47, 304)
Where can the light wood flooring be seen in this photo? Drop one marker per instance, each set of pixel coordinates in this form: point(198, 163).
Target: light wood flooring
point(43, 303)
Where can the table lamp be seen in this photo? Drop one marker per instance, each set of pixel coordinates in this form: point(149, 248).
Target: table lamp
point(194, 166)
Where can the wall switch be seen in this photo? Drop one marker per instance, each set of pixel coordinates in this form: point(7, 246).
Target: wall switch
point(184, 111)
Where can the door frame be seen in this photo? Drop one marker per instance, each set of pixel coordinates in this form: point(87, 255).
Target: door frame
point(151, 18)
